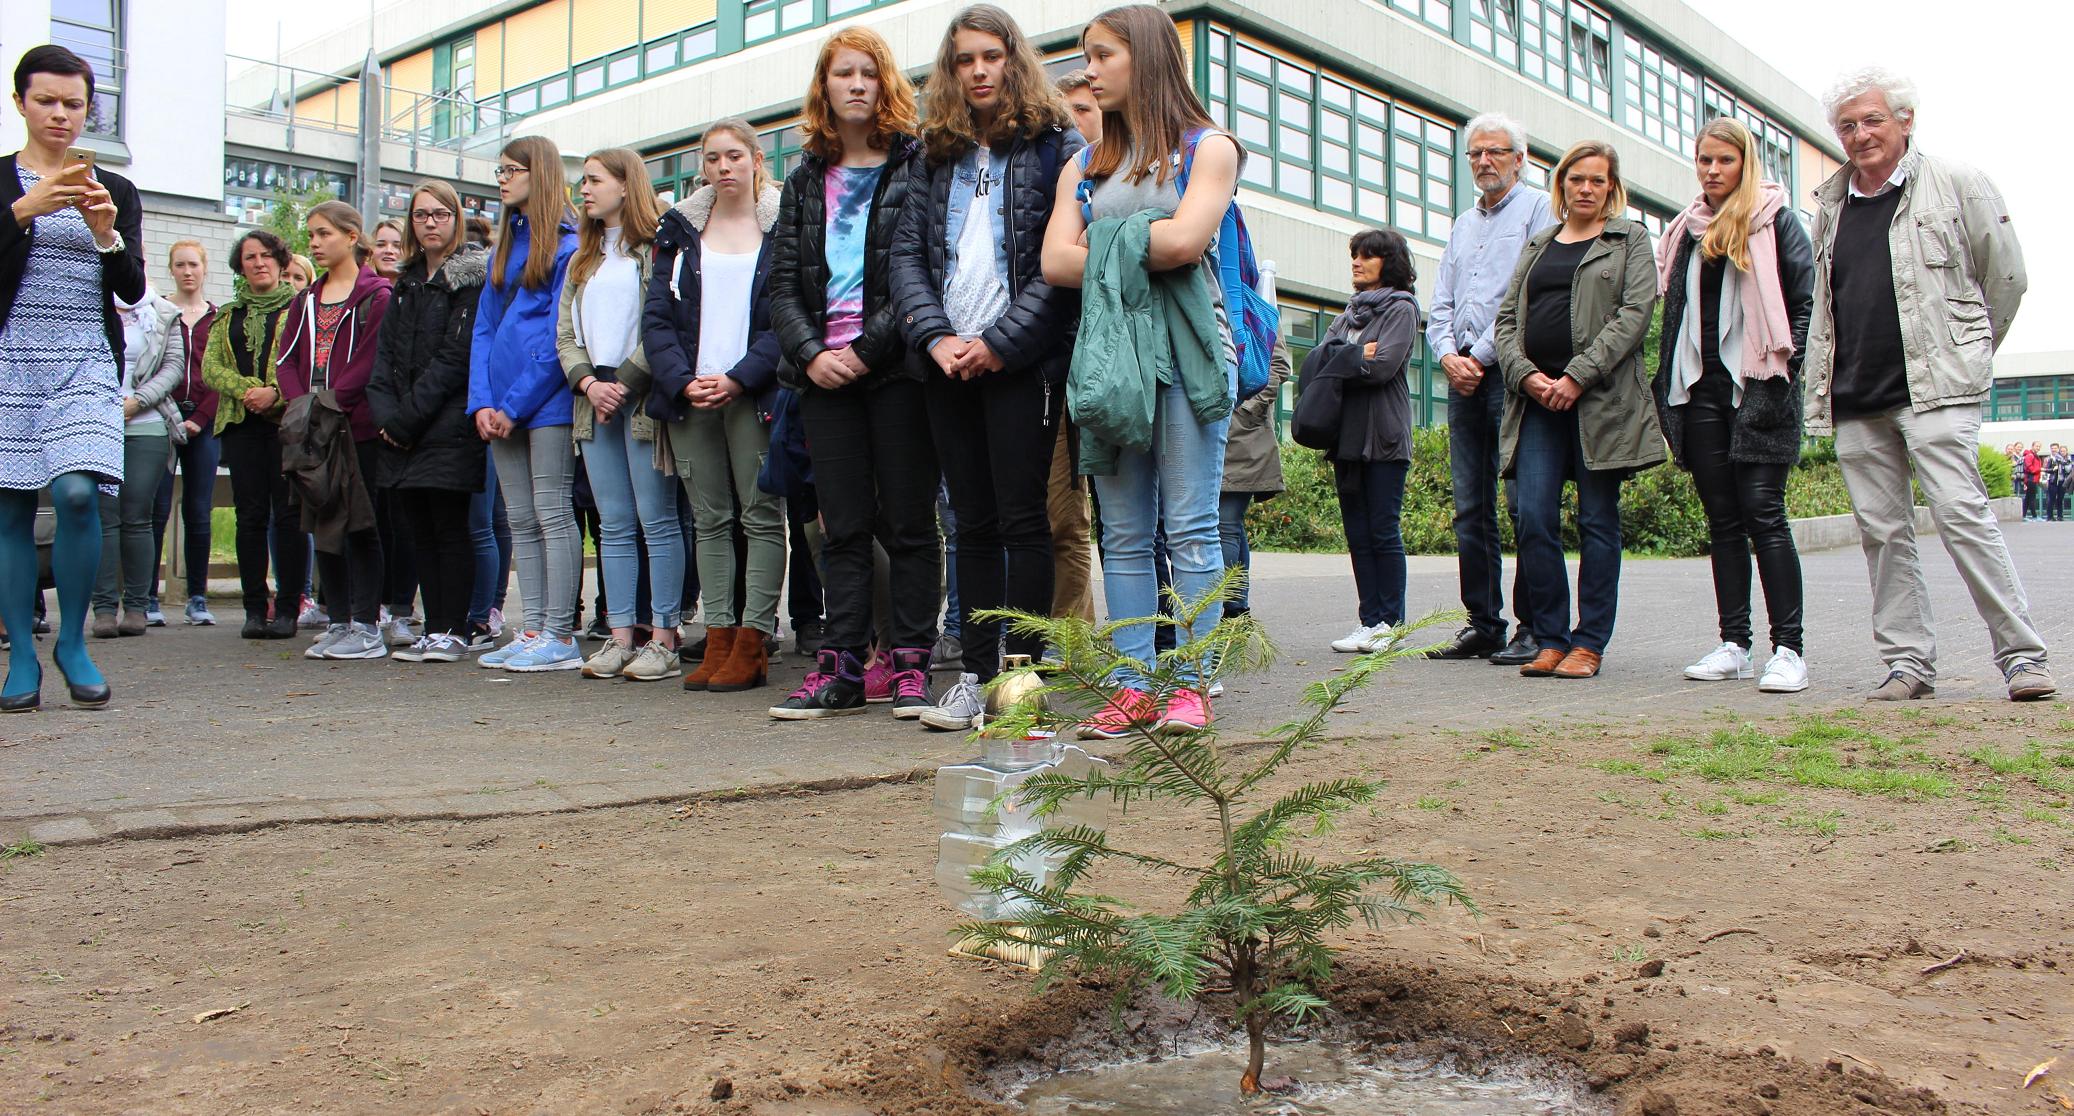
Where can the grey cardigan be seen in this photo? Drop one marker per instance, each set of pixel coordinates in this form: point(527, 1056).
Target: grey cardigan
point(151, 373)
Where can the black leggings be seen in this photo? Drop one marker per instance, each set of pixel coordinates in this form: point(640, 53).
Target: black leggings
point(437, 523)
point(352, 580)
point(875, 472)
point(252, 451)
point(1746, 510)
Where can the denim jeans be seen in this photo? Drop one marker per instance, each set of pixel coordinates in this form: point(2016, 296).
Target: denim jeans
point(198, 460)
point(127, 558)
point(1174, 483)
point(536, 470)
point(630, 492)
point(1550, 452)
point(490, 528)
point(1371, 505)
point(1473, 425)
point(1231, 533)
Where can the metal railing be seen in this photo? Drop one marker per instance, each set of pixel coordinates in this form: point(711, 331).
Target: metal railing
point(278, 93)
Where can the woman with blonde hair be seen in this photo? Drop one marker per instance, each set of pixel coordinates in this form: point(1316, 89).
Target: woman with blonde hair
point(301, 272)
point(860, 385)
point(521, 402)
point(386, 251)
point(1736, 272)
point(598, 337)
point(968, 269)
point(1569, 331)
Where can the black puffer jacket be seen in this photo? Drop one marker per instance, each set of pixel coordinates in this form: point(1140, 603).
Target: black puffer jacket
point(675, 297)
point(418, 392)
point(798, 284)
point(1768, 423)
point(1036, 331)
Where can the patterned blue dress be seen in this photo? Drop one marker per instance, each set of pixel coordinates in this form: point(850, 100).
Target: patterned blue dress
point(60, 391)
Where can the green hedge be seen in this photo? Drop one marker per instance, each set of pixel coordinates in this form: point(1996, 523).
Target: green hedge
point(1659, 509)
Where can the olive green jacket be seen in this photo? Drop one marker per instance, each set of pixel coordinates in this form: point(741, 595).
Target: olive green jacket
point(576, 361)
point(1611, 300)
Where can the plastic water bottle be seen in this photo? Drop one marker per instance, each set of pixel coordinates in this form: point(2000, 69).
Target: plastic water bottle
point(972, 833)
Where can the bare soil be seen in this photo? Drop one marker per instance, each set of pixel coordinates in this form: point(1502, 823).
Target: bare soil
point(1685, 946)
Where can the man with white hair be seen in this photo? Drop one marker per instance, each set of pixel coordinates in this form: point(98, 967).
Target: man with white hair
point(1474, 273)
point(1917, 277)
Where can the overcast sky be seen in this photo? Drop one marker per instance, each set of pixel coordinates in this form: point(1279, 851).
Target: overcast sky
point(1979, 66)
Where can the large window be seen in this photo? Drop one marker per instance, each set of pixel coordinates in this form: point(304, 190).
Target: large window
point(1438, 13)
point(2031, 399)
point(1323, 139)
point(768, 19)
point(1774, 142)
point(1662, 98)
point(93, 30)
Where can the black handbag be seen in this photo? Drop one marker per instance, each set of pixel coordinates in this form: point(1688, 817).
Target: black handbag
point(1320, 397)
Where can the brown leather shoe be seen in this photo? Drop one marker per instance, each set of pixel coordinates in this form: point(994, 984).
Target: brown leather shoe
point(1543, 664)
point(1581, 662)
point(747, 666)
point(720, 644)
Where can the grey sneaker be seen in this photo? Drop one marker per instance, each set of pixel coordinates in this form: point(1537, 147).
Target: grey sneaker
point(2030, 681)
point(415, 653)
point(652, 663)
point(1902, 687)
point(949, 653)
point(361, 641)
point(608, 660)
point(443, 648)
point(198, 612)
point(398, 632)
point(332, 634)
point(960, 707)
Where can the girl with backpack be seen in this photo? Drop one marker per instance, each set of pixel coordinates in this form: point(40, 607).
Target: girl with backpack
point(522, 406)
point(860, 384)
point(1140, 78)
point(968, 271)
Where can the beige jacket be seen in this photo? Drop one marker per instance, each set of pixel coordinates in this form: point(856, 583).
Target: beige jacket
point(576, 361)
point(1958, 279)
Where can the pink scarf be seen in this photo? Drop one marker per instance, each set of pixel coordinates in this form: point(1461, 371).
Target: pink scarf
point(1767, 332)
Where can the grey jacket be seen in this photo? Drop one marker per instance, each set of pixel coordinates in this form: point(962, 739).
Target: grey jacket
point(576, 361)
point(1611, 300)
point(1958, 279)
point(154, 370)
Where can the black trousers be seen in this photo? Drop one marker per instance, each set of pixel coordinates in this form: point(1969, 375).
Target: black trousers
point(351, 582)
point(259, 493)
point(1746, 511)
point(436, 522)
point(994, 438)
point(875, 473)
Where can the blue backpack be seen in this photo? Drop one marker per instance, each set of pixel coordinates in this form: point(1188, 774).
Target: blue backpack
point(1254, 320)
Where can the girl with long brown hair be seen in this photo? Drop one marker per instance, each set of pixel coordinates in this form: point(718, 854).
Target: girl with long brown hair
point(992, 329)
point(1736, 272)
point(1153, 126)
point(522, 406)
point(861, 397)
point(599, 340)
point(715, 361)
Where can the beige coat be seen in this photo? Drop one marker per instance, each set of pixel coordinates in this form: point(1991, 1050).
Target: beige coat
point(576, 361)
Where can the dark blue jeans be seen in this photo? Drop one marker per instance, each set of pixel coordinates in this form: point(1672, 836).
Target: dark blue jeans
point(1238, 550)
point(1371, 502)
point(1473, 424)
point(198, 459)
point(1549, 454)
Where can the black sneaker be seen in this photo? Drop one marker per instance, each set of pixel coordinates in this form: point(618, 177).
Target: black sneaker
point(255, 625)
point(599, 631)
point(807, 636)
point(834, 689)
point(910, 682)
point(1467, 644)
point(283, 625)
point(693, 652)
point(1519, 652)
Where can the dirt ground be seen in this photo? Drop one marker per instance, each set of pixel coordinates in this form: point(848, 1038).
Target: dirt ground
point(1686, 929)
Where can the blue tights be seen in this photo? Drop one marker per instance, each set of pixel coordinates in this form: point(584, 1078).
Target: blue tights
point(75, 559)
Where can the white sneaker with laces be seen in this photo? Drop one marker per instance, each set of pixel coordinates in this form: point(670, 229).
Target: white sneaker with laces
point(1357, 641)
point(331, 634)
point(653, 663)
point(398, 632)
point(608, 660)
point(960, 707)
point(1786, 673)
point(1723, 663)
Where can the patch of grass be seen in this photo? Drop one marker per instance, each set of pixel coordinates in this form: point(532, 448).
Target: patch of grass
point(21, 849)
point(1713, 808)
point(1711, 834)
point(1946, 845)
point(1754, 798)
point(1809, 756)
point(1507, 738)
point(1822, 825)
point(2041, 814)
point(1429, 802)
point(2008, 838)
point(2048, 772)
point(1631, 954)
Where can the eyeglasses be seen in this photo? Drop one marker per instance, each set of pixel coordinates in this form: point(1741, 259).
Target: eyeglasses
point(508, 171)
point(1476, 153)
point(1871, 123)
point(432, 216)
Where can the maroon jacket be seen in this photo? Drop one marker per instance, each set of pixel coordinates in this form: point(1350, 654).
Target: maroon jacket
point(352, 350)
point(191, 389)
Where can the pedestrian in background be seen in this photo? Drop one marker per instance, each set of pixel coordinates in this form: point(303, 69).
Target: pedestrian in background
point(1736, 274)
point(386, 257)
point(2059, 470)
point(1569, 335)
point(154, 359)
point(1252, 472)
point(198, 456)
point(1066, 494)
point(1461, 322)
point(1904, 236)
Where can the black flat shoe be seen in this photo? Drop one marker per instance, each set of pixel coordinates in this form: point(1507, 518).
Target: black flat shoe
point(1519, 652)
point(95, 696)
point(1467, 644)
point(22, 703)
point(280, 627)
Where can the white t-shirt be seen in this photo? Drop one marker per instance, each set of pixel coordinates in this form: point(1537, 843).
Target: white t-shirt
point(725, 283)
point(975, 297)
point(610, 306)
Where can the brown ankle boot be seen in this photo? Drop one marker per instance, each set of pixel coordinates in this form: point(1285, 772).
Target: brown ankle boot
point(748, 664)
point(719, 644)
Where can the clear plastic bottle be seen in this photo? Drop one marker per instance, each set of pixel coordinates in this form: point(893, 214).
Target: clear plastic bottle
point(973, 832)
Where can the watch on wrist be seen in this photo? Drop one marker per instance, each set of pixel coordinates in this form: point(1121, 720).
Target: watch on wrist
point(113, 248)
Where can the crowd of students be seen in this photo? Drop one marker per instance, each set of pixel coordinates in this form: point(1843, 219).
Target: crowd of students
point(913, 348)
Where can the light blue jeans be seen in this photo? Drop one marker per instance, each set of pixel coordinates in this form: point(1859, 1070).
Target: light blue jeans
point(1182, 472)
point(629, 492)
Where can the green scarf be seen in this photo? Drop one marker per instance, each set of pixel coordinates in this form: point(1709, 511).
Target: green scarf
point(220, 368)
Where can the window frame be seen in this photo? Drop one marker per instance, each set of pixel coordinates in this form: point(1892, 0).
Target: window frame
point(108, 84)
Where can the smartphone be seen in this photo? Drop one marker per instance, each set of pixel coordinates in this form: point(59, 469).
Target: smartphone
point(77, 155)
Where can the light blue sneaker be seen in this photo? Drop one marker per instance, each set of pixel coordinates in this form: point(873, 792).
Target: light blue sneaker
point(544, 654)
point(495, 660)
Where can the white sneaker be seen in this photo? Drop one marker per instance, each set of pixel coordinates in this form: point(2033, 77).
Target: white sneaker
point(960, 707)
point(398, 632)
point(1786, 673)
point(331, 634)
point(610, 658)
point(1365, 639)
point(1721, 664)
point(652, 663)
